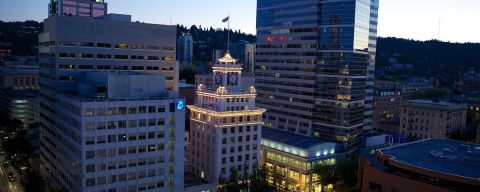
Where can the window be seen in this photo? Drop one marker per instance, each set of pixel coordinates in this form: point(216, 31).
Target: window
point(112, 138)
point(67, 43)
point(161, 109)
point(137, 57)
point(90, 112)
point(161, 121)
point(66, 66)
point(137, 47)
point(122, 110)
point(86, 44)
point(85, 67)
point(151, 109)
point(142, 109)
point(121, 46)
point(132, 123)
point(66, 78)
point(150, 47)
point(132, 110)
point(90, 182)
point(101, 139)
point(104, 56)
point(122, 57)
point(85, 55)
point(90, 168)
point(104, 45)
point(90, 154)
point(112, 125)
point(153, 58)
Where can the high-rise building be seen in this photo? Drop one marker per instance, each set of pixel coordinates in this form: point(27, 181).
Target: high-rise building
point(185, 49)
point(86, 8)
point(225, 126)
point(315, 63)
point(70, 46)
point(245, 52)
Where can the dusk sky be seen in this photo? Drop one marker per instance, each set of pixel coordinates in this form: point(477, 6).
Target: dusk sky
point(414, 19)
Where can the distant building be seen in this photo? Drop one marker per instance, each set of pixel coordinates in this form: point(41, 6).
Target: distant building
point(422, 119)
point(185, 49)
point(469, 82)
point(217, 54)
point(86, 8)
point(19, 92)
point(293, 156)
point(245, 52)
point(388, 96)
point(427, 165)
point(20, 104)
point(19, 77)
point(187, 91)
point(225, 126)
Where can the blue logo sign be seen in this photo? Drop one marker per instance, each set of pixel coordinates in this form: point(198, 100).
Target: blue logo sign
point(180, 105)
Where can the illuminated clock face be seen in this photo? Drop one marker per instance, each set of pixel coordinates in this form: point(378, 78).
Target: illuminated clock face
point(233, 78)
point(218, 78)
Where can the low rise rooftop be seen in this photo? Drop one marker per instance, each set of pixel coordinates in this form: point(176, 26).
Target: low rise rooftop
point(439, 155)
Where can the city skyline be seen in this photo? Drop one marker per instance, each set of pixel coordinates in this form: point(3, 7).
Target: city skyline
point(428, 19)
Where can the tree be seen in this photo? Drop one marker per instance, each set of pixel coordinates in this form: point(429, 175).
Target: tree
point(258, 180)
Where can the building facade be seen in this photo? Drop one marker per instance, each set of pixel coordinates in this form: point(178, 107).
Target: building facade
point(427, 165)
point(422, 119)
point(245, 52)
point(225, 126)
point(19, 77)
point(314, 66)
point(293, 156)
point(185, 49)
point(388, 97)
point(123, 132)
point(70, 46)
point(86, 8)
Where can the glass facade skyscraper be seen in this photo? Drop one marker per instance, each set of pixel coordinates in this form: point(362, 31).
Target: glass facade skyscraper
point(315, 62)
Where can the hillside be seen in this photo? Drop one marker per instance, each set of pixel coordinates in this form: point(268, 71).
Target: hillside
point(398, 57)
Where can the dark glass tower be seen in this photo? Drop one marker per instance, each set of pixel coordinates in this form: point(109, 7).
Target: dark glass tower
point(315, 62)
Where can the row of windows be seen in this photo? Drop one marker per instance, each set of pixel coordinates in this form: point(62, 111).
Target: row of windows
point(102, 153)
point(91, 168)
point(103, 111)
point(115, 67)
point(90, 182)
point(90, 126)
point(117, 57)
point(106, 45)
point(124, 137)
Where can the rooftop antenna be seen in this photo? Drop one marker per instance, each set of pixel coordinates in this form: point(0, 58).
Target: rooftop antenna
point(170, 18)
point(439, 29)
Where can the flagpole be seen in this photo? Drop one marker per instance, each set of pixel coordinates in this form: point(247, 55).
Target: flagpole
point(228, 34)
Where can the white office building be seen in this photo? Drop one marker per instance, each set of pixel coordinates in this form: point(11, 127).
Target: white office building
point(71, 46)
point(123, 132)
point(225, 126)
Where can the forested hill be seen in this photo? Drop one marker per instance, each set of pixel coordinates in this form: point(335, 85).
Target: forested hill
point(425, 58)
point(428, 57)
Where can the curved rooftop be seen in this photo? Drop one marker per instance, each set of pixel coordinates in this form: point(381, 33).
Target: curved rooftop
point(439, 155)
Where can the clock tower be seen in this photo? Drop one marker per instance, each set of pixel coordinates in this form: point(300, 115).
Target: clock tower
point(227, 73)
point(225, 125)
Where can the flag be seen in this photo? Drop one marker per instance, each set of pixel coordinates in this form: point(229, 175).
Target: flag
point(226, 19)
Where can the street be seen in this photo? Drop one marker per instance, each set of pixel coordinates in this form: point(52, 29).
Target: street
point(5, 185)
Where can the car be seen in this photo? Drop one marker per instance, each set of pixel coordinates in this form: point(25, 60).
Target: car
point(11, 177)
point(6, 163)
